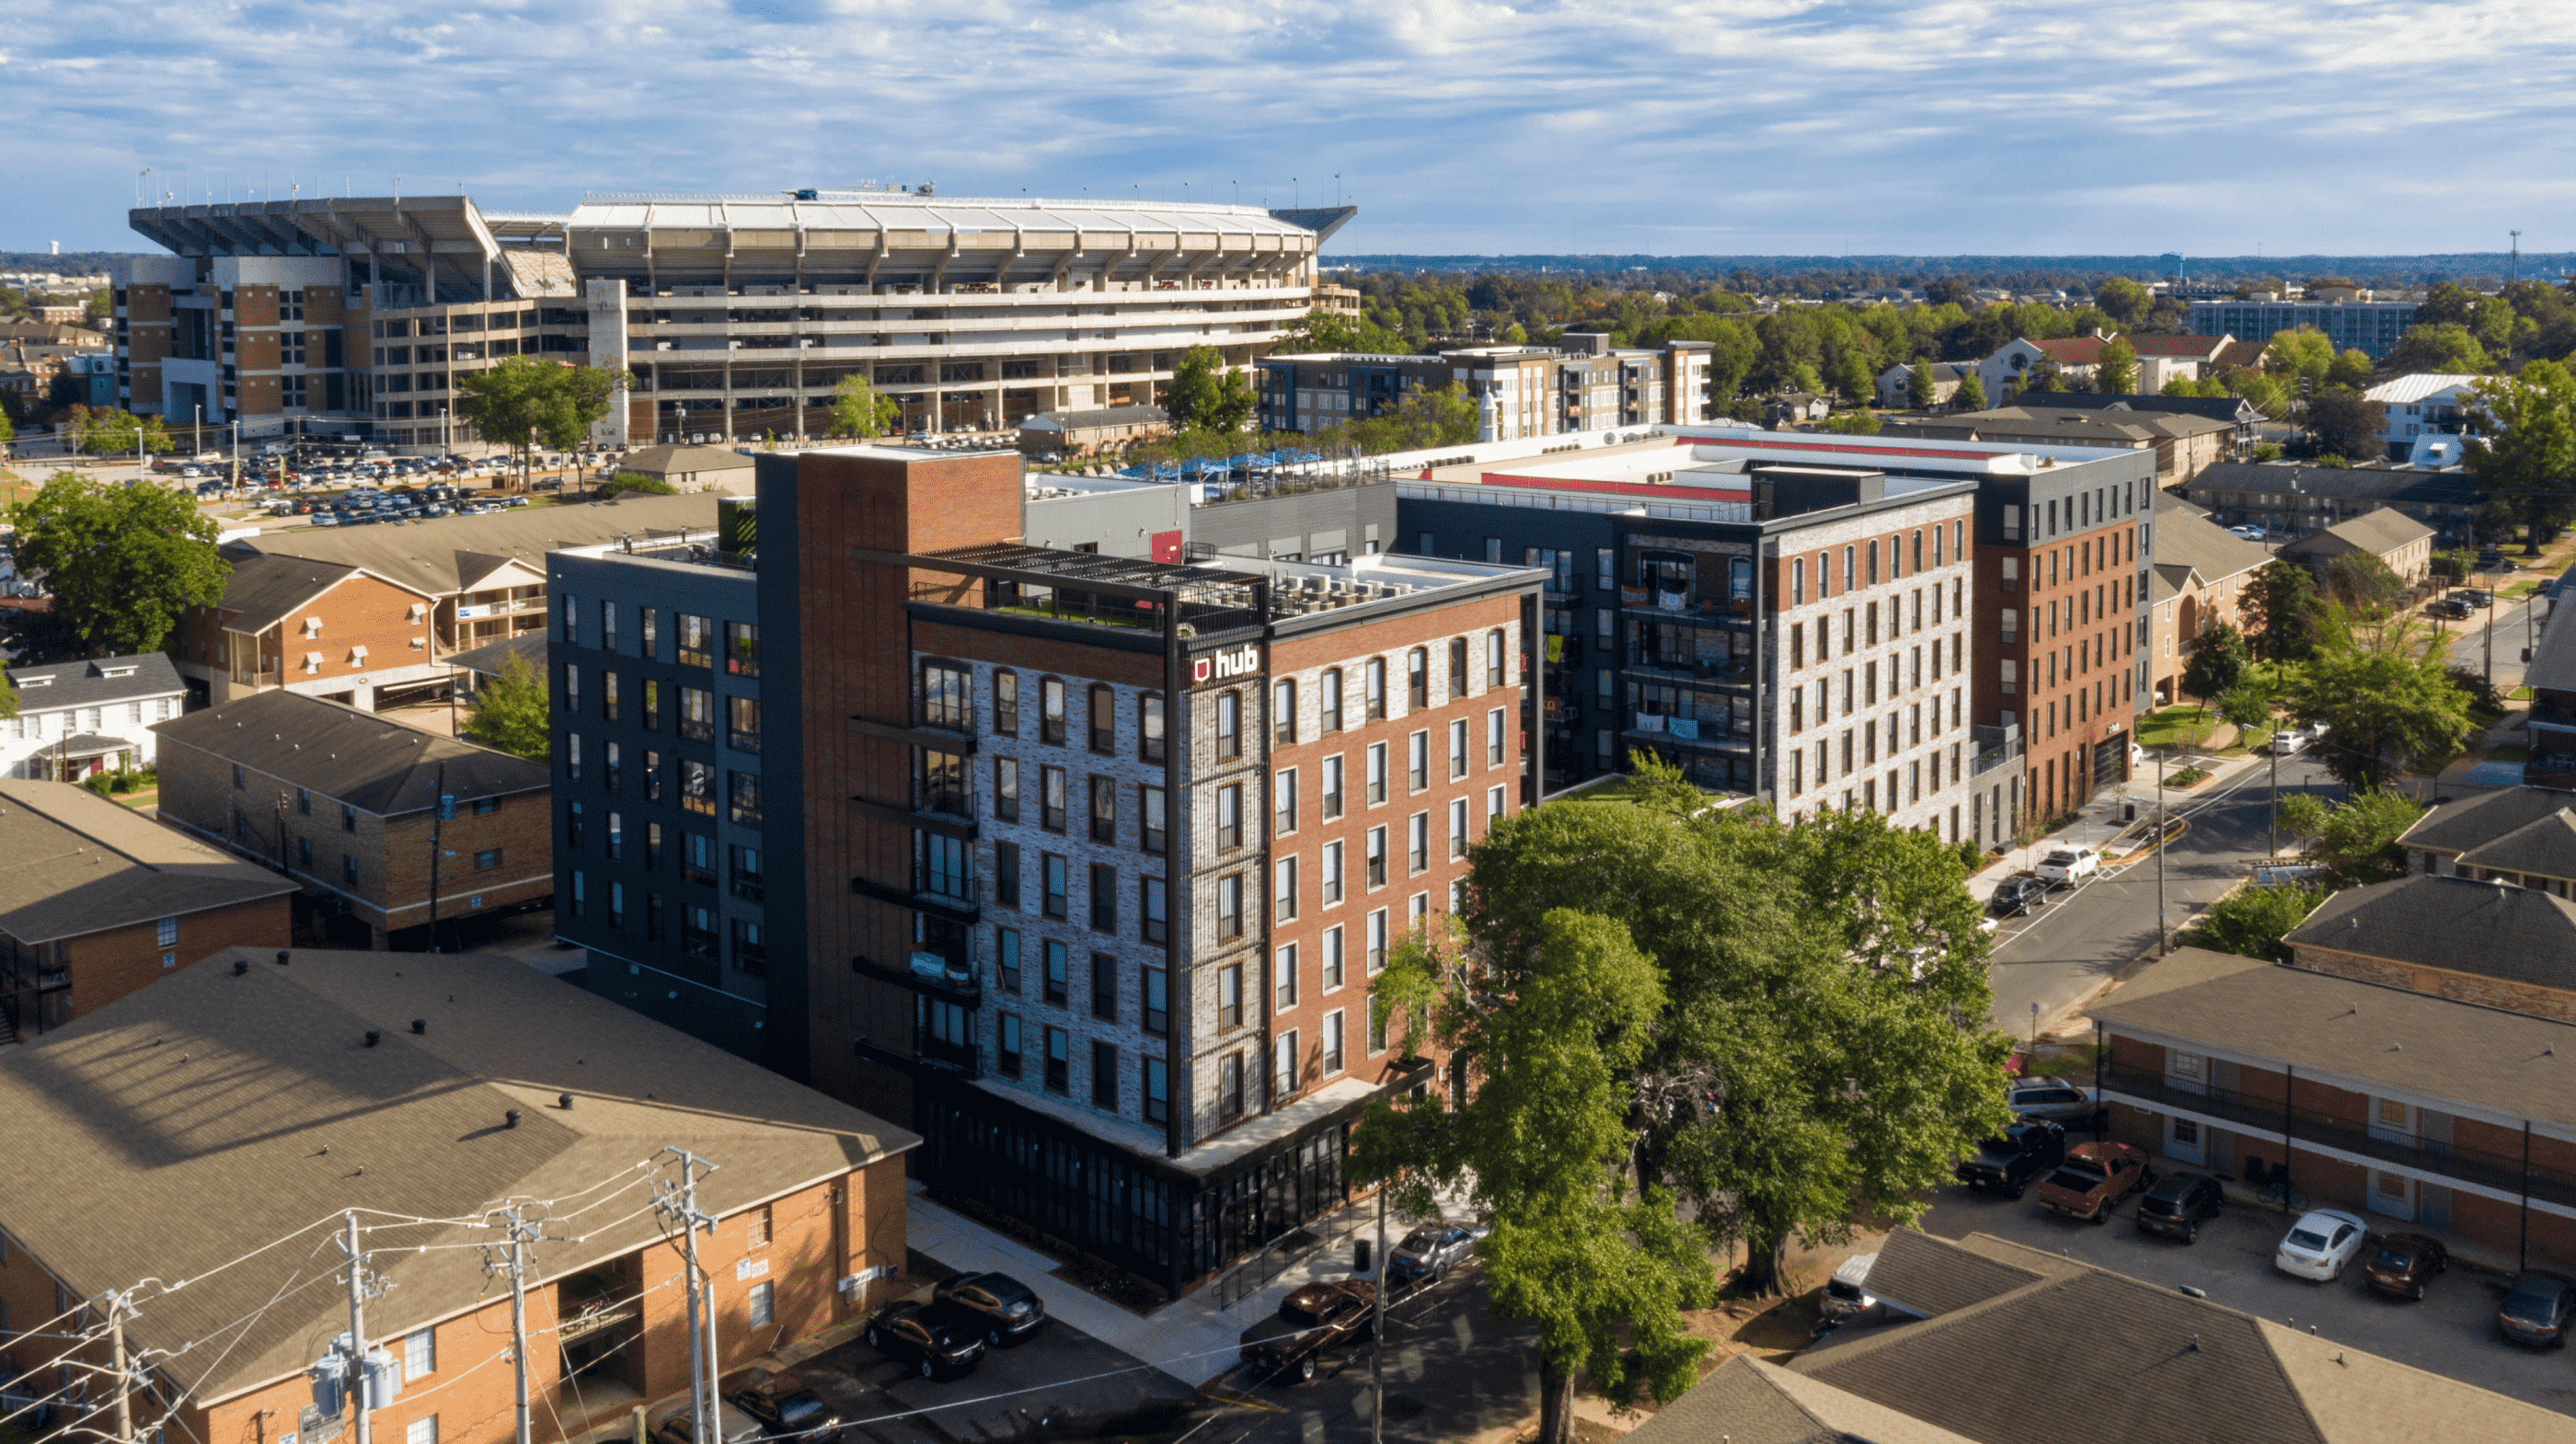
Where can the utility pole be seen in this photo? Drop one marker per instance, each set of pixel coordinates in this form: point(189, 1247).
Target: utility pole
point(1377, 1327)
point(513, 1257)
point(438, 815)
point(357, 1362)
point(2164, 935)
point(116, 1343)
point(679, 1204)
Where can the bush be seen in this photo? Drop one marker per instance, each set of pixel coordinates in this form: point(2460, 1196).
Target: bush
point(99, 782)
point(1971, 856)
point(2473, 680)
point(2251, 921)
point(2188, 777)
point(639, 483)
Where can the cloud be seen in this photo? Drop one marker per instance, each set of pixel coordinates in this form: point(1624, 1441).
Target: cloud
point(1458, 125)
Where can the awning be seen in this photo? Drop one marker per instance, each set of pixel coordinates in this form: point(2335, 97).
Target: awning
point(89, 744)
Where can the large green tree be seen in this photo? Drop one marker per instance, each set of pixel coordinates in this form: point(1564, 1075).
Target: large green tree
point(2346, 424)
point(2217, 661)
point(1971, 395)
point(524, 403)
point(860, 411)
point(511, 712)
point(2356, 836)
point(2124, 300)
point(1543, 1147)
point(2282, 596)
point(2117, 373)
point(1922, 390)
point(2525, 455)
point(2301, 354)
point(2251, 921)
point(122, 563)
point(1206, 396)
point(2352, 370)
point(2383, 711)
point(1437, 416)
point(105, 431)
point(2439, 349)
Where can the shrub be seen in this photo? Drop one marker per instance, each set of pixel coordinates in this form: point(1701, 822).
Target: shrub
point(2473, 680)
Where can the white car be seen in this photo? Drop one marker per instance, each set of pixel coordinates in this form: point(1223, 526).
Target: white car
point(2072, 864)
point(2320, 1244)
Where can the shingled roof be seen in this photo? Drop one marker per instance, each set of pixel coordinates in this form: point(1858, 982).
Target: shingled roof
point(2456, 826)
point(2376, 532)
point(78, 863)
point(348, 755)
point(2546, 848)
point(2494, 930)
point(436, 557)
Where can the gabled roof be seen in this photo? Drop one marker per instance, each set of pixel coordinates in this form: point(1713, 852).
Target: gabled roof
point(2467, 822)
point(2546, 848)
point(2230, 409)
point(2240, 353)
point(2416, 387)
point(2493, 930)
point(2376, 532)
point(491, 657)
point(1923, 1275)
point(99, 680)
point(350, 756)
point(429, 556)
point(663, 460)
point(205, 1117)
point(1748, 1401)
point(2186, 539)
point(2144, 344)
point(2073, 350)
point(78, 863)
point(266, 590)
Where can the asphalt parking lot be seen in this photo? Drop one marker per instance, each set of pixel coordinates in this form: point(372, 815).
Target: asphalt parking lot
point(1058, 1383)
point(2451, 1332)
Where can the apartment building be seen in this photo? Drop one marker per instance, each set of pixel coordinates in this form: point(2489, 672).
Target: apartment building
point(76, 718)
point(733, 316)
point(1520, 391)
point(414, 1088)
point(2202, 577)
point(2372, 327)
point(1100, 854)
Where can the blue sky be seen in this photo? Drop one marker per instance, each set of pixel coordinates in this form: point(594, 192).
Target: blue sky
point(1711, 126)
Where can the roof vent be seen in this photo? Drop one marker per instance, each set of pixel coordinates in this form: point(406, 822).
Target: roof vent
point(510, 1119)
point(420, 1025)
point(374, 1037)
point(240, 966)
point(564, 1101)
point(281, 957)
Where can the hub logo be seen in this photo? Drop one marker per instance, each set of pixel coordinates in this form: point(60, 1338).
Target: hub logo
point(1242, 662)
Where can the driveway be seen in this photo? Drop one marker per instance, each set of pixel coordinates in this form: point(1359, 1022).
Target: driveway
point(2451, 1332)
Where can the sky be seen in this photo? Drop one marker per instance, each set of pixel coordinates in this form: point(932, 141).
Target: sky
point(1702, 127)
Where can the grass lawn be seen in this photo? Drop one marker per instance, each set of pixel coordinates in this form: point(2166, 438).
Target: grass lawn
point(2518, 694)
point(2173, 726)
point(1617, 789)
point(2519, 590)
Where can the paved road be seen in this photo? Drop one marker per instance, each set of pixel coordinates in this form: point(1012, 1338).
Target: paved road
point(2057, 955)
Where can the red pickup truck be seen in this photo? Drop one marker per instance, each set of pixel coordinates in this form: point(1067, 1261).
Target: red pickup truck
point(2094, 1177)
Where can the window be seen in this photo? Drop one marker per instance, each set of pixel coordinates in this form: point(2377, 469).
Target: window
point(1417, 678)
point(1104, 720)
point(1417, 761)
point(1229, 906)
point(1157, 924)
point(1332, 787)
point(1283, 979)
point(649, 629)
point(1051, 867)
point(608, 695)
point(697, 787)
point(1375, 856)
point(1797, 582)
point(1006, 703)
point(1157, 837)
point(1332, 1043)
point(572, 687)
point(1229, 1086)
point(1374, 688)
point(1006, 1046)
point(421, 1431)
point(1059, 1048)
point(2011, 678)
point(764, 1310)
point(1495, 645)
point(1457, 668)
point(420, 1354)
point(742, 723)
point(697, 714)
point(1059, 966)
point(1283, 888)
point(1104, 1075)
point(1283, 711)
point(1104, 898)
point(1229, 816)
point(652, 705)
point(1376, 942)
point(1229, 996)
point(1149, 730)
point(946, 696)
point(1458, 827)
point(304, 853)
point(1283, 1066)
point(1331, 971)
point(1229, 725)
point(616, 836)
point(571, 618)
point(1051, 711)
point(1458, 748)
point(1493, 802)
point(1006, 789)
point(1051, 800)
point(1104, 987)
point(742, 649)
point(572, 824)
point(1332, 700)
point(1376, 773)
point(1494, 737)
point(167, 932)
point(1417, 835)
point(1158, 1091)
point(695, 639)
point(1104, 809)
point(1283, 801)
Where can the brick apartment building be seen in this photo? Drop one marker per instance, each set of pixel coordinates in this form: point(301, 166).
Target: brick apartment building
point(100, 901)
point(345, 803)
point(1099, 854)
point(318, 627)
point(406, 1087)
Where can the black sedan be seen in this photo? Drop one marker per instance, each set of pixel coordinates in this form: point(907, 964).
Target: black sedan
point(934, 1338)
point(785, 1405)
point(2016, 896)
point(1010, 1310)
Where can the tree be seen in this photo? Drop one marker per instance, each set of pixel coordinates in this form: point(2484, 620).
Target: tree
point(2124, 300)
point(8, 428)
point(1205, 396)
point(858, 411)
point(1971, 395)
point(2354, 836)
point(2525, 454)
point(1337, 331)
point(123, 563)
point(524, 403)
point(1851, 423)
point(2217, 661)
point(2251, 921)
point(2284, 597)
point(2345, 424)
point(2439, 349)
point(511, 712)
point(641, 483)
point(1542, 1145)
point(1435, 416)
point(105, 431)
point(1921, 388)
point(2246, 705)
point(2267, 394)
point(2383, 712)
point(2353, 370)
point(2361, 583)
point(2117, 372)
point(2301, 353)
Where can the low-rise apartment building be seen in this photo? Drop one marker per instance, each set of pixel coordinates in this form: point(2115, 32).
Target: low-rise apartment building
point(77, 718)
point(2200, 581)
point(386, 828)
point(273, 1101)
point(2429, 414)
point(2290, 502)
point(100, 901)
point(2183, 443)
point(2400, 542)
point(2499, 930)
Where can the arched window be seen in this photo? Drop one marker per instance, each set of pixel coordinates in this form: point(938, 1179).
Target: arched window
point(1332, 699)
point(1457, 667)
point(1417, 679)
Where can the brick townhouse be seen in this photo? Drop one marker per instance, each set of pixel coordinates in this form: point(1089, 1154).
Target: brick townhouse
point(413, 1087)
point(100, 901)
point(346, 804)
point(1100, 854)
point(316, 627)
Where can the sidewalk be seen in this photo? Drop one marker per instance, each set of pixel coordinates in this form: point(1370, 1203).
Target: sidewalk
point(2102, 819)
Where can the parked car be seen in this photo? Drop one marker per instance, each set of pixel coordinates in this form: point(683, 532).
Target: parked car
point(2535, 1310)
point(2015, 896)
point(2069, 865)
point(2476, 596)
point(1847, 1297)
point(2093, 1180)
point(2006, 1165)
point(2287, 740)
point(783, 1403)
point(2320, 1244)
point(2451, 609)
point(2404, 1263)
point(1427, 1253)
point(678, 1425)
point(2178, 1204)
point(2050, 1098)
point(2248, 533)
point(1311, 1319)
point(1010, 1309)
point(935, 1337)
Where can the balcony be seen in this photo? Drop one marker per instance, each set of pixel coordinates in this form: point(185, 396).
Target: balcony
point(946, 894)
point(1996, 747)
point(928, 974)
point(2270, 1118)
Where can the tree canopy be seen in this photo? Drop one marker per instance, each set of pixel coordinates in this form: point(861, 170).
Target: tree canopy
point(2525, 455)
point(511, 712)
point(860, 411)
point(104, 431)
point(2251, 921)
point(2283, 595)
point(123, 562)
point(2384, 711)
point(524, 403)
point(2441, 349)
point(2357, 837)
point(2217, 661)
point(1436, 416)
point(1205, 396)
point(2117, 372)
point(2346, 424)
